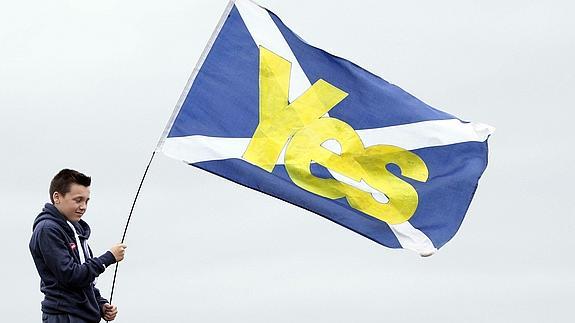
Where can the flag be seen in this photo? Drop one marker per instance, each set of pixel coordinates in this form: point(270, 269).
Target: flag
point(268, 111)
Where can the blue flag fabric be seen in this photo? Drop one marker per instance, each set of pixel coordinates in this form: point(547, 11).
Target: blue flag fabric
point(268, 111)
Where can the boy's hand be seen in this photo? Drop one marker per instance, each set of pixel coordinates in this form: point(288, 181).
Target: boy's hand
point(118, 250)
point(109, 312)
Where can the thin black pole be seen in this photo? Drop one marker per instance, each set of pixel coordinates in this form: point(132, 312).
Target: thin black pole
point(128, 222)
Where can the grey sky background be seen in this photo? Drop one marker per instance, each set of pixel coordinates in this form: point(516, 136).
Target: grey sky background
point(91, 84)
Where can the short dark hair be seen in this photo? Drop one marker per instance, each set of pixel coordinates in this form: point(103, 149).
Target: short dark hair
point(62, 181)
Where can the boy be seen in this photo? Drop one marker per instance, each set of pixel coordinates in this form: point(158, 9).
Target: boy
point(64, 261)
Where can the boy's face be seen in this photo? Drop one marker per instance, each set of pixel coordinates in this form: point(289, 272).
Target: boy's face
point(74, 203)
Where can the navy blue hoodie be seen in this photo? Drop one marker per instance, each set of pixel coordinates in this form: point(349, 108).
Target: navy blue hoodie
point(68, 286)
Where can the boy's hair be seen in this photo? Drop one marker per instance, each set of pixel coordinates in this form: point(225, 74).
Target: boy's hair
point(62, 181)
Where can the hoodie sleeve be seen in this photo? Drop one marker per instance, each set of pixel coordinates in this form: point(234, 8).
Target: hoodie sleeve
point(58, 259)
point(101, 300)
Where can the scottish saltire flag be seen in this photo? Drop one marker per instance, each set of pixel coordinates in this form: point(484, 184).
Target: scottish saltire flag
point(268, 111)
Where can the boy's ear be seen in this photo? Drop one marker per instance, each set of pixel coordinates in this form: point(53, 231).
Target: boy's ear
point(56, 197)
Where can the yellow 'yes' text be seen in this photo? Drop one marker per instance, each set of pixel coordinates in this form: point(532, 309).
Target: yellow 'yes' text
point(302, 125)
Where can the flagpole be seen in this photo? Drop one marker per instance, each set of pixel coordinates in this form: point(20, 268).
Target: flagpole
point(128, 221)
point(170, 123)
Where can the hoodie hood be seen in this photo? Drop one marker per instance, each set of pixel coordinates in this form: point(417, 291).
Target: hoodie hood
point(50, 212)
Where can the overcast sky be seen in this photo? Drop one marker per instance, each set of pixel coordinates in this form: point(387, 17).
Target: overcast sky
point(91, 84)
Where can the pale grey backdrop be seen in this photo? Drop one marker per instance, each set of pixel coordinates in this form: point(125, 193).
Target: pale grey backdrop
point(90, 85)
